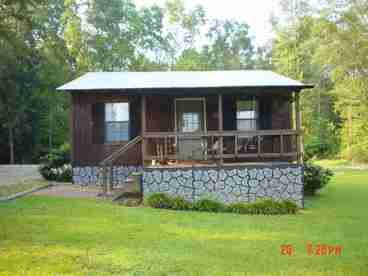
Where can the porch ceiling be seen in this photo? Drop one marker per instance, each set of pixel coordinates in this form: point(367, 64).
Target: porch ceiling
point(174, 82)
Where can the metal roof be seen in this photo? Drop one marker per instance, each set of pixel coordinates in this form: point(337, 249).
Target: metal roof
point(180, 79)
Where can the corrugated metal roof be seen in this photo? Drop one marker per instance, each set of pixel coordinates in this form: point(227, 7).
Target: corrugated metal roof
point(182, 79)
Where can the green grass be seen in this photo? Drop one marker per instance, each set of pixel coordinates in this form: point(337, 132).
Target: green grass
point(340, 165)
point(45, 235)
point(6, 190)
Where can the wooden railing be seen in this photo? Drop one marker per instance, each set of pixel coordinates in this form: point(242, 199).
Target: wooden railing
point(107, 164)
point(222, 145)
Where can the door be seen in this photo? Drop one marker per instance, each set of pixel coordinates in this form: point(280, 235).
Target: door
point(190, 118)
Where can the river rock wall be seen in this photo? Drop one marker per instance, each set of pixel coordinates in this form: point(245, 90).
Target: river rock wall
point(93, 175)
point(228, 185)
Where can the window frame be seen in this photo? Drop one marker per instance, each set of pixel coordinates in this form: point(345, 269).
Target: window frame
point(201, 99)
point(255, 110)
point(106, 123)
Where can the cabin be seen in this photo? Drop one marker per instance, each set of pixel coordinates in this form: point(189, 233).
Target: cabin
point(227, 135)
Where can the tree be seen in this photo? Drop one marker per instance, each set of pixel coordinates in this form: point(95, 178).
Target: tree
point(19, 62)
point(344, 52)
point(230, 46)
point(293, 54)
point(118, 33)
point(75, 37)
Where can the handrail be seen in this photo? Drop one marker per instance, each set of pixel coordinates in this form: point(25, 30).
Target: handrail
point(225, 133)
point(112, 157)
point(233, 151)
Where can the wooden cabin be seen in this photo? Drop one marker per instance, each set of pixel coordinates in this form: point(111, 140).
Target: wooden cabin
point(174, 122)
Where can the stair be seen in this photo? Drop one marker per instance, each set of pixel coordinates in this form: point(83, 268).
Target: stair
point(107, 166)
point(130, 189)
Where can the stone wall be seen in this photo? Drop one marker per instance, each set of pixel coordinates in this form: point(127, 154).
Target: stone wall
point(228, 185)
point(93, 175)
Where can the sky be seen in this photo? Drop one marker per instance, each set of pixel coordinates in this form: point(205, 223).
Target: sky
point(255, 13)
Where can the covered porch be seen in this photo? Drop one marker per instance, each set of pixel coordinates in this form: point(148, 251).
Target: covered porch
point(224, 128)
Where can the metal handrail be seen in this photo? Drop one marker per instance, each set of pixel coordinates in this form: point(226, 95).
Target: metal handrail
point(116, 154)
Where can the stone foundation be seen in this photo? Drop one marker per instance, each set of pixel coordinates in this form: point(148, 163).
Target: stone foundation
point(93, 175)
point(228, 185)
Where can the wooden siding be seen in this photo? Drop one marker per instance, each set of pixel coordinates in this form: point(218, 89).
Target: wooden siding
point(88, 147)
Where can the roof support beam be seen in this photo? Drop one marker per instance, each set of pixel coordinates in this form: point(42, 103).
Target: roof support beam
point(144, 128)
point(220, 128)
point(298, 127)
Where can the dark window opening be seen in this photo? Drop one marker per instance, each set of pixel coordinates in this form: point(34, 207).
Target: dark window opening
point(247, 114)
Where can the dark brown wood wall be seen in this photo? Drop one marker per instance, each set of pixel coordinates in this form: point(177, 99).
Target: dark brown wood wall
point(87, 149)
point(160, 113)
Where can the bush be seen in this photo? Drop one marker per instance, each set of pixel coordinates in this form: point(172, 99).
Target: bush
point(238, 208)
point(315, 178)
point(316, 149)
point(264, 207)
point(158, 200)
point(55, 166)
point(179, 203)
point(289, 207)
point(261, 207)
point(267, 207)
point(208, 205)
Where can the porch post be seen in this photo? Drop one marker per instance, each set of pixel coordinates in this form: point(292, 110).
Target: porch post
point(144, 128)
point(220, 127)
point(298, 122)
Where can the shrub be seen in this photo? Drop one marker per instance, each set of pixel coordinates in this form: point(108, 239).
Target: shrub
point(315, 178)
point(267, 207)
point(261, 207)
point(289, 207)
point(179, 203)
point(158, 200)
point(55, 166)
point(316, 149)
point(238, 208)
point(264, 207)
point(208, 205)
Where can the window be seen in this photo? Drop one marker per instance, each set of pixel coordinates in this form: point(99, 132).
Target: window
point(116, 122)
point(246, 114)
point(190, 114)
point(191, 122)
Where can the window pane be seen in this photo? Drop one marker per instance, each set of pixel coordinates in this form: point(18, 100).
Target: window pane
point(117, 131)
point(247, 124)
point(191, 122)
point(117, 112)
point(250, 114)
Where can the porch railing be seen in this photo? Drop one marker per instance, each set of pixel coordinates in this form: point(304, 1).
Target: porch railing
point(222, 145)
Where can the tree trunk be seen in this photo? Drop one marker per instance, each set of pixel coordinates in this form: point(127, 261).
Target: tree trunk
point(50, 130)
point(11, 144)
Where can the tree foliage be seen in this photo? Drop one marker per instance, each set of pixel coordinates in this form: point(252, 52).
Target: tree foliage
point(328, 47)
point(46, 43)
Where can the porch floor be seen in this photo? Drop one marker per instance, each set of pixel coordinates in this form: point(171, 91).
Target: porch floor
point(214, 165)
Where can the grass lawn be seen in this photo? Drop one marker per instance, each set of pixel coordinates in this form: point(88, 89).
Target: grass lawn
point(45, 235)
point(6, 190)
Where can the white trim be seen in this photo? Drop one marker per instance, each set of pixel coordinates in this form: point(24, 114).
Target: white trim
point(203, 99)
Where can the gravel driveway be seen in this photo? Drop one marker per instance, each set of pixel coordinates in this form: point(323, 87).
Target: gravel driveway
point(13, 174)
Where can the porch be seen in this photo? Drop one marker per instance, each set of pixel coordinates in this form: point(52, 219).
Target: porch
point(220, 132)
